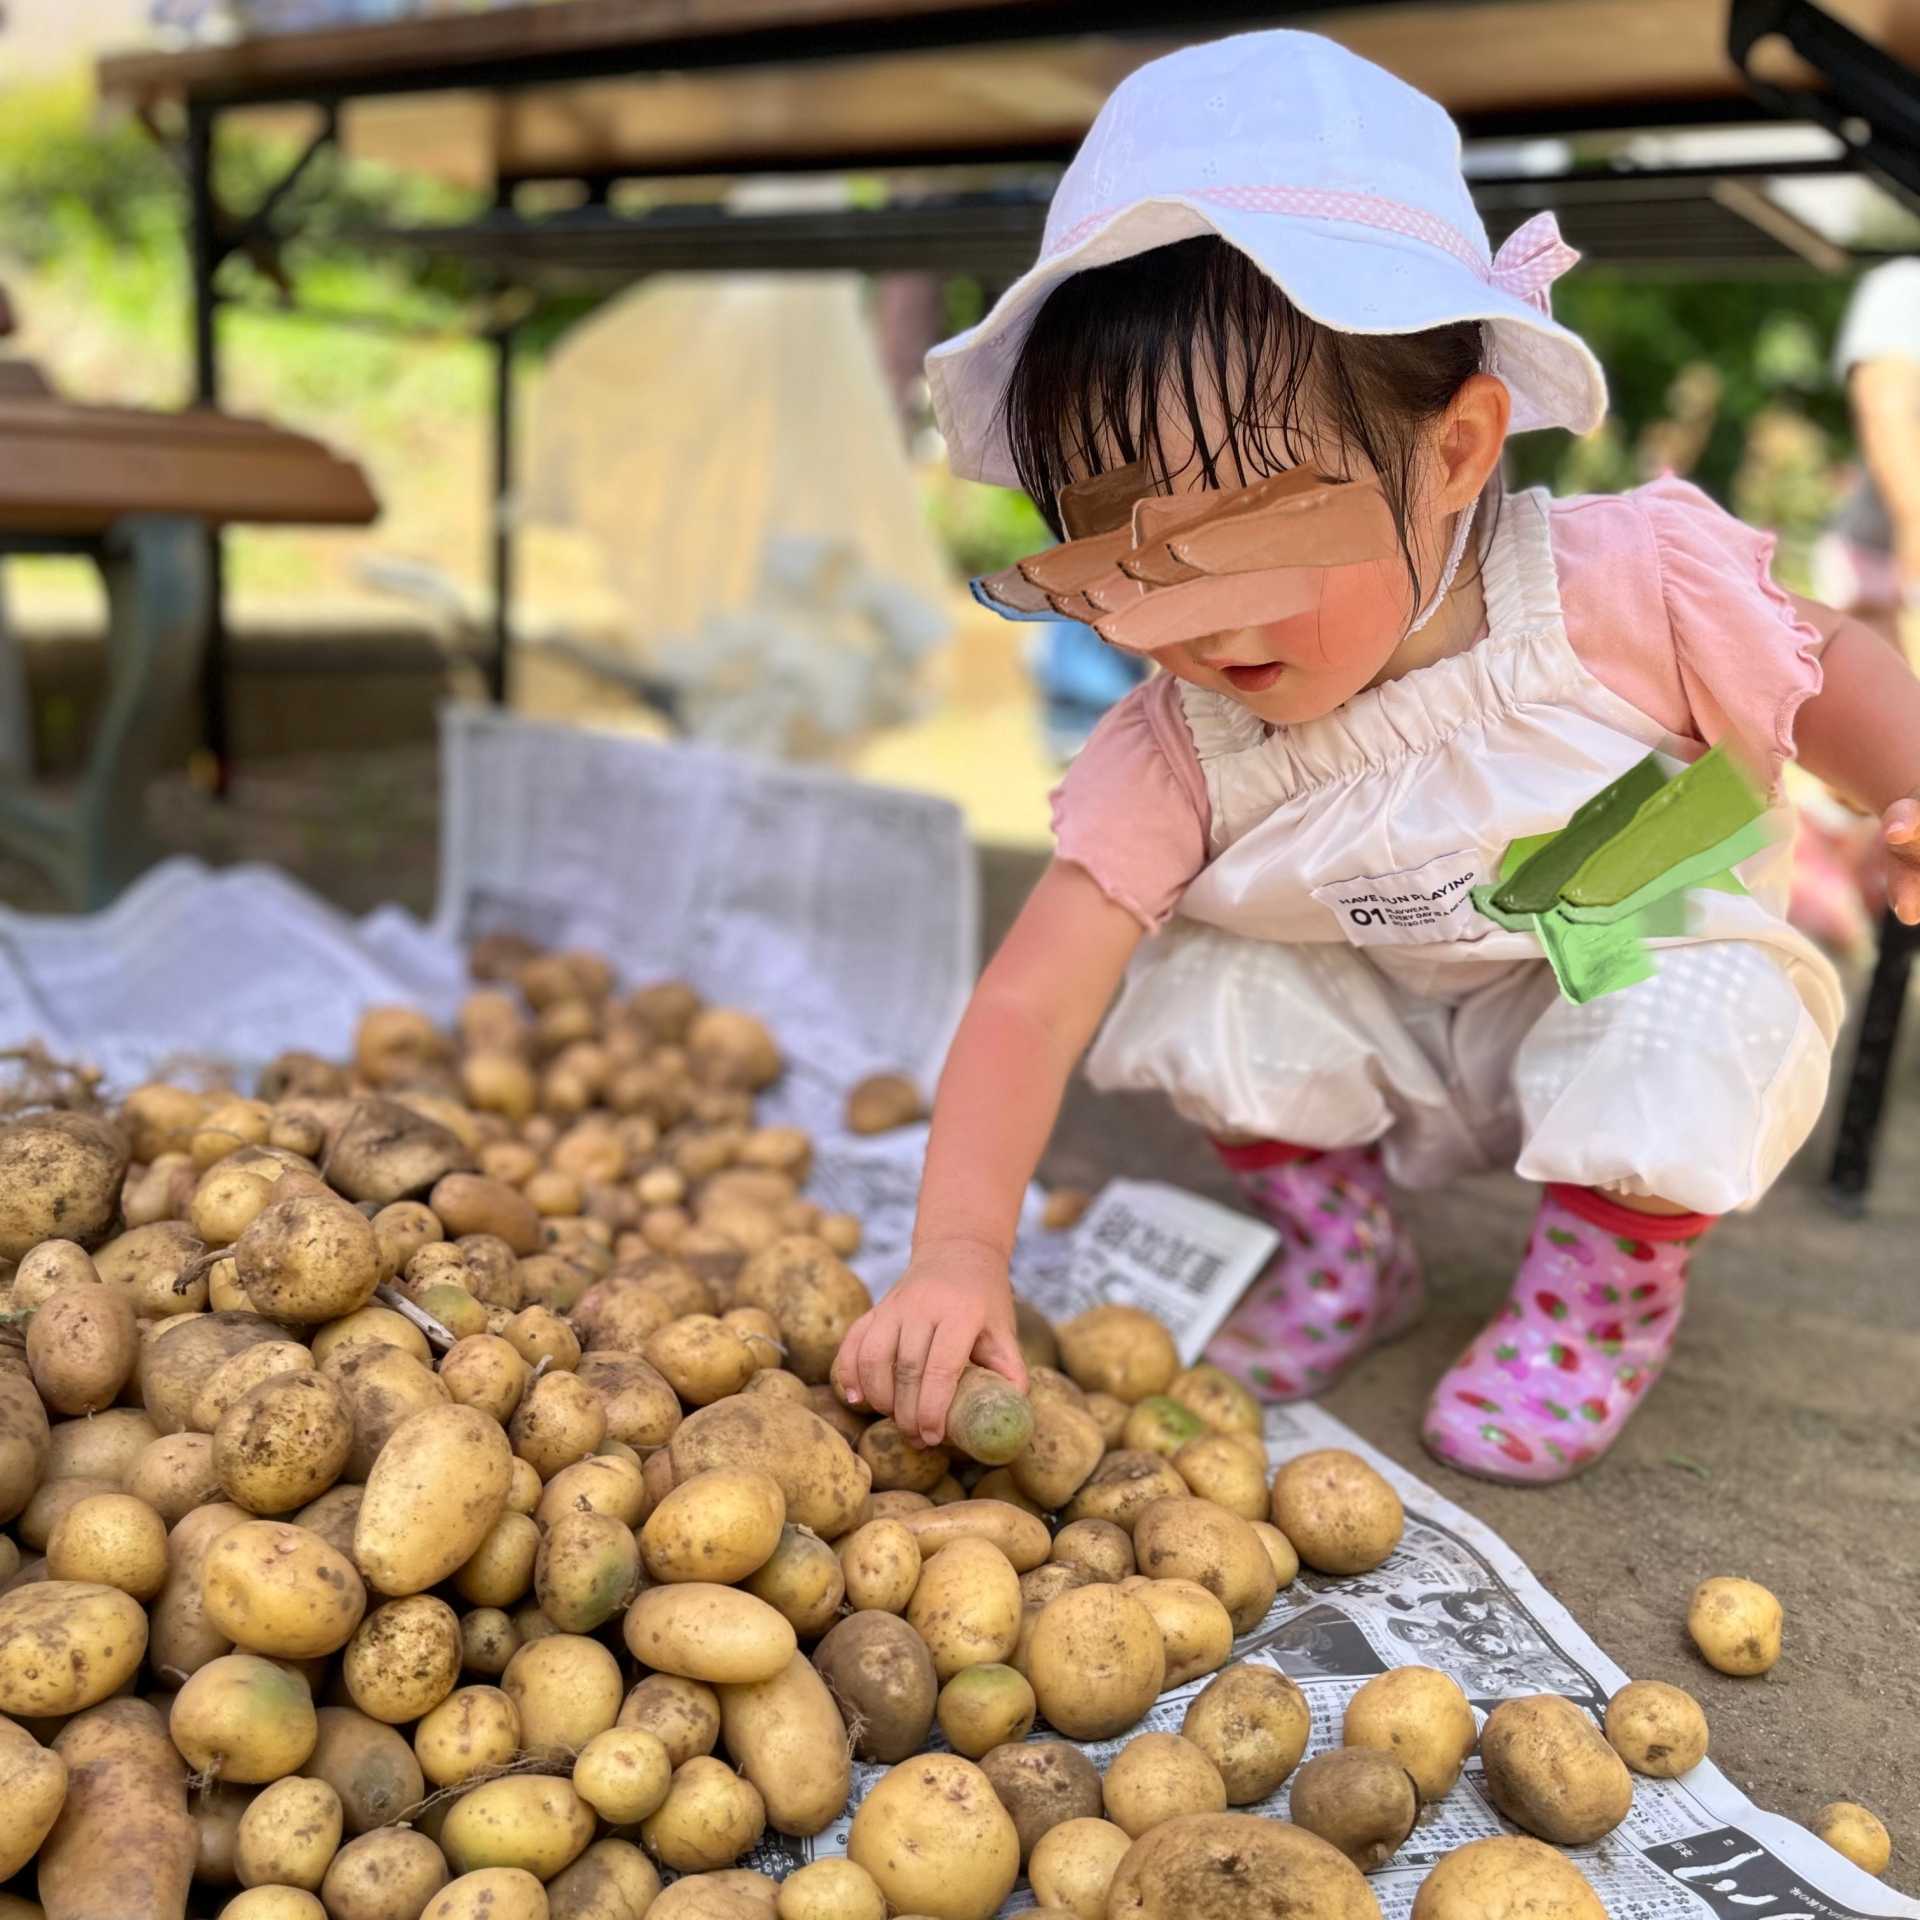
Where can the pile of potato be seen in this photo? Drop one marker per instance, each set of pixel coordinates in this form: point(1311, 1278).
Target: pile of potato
point(423, 1496)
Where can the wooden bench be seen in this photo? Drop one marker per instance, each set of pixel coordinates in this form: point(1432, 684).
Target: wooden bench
point(137, 493)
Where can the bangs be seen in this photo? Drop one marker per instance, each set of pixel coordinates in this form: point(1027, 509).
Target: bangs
point(1190, 358)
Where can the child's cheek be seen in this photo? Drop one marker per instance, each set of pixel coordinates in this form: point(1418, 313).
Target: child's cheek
point(1364, 612)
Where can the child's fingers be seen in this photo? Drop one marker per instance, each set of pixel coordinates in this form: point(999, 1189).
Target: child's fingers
point(952, 1348)
point(998, 1349)
point(909, 1373)
point(877, 1363)
point(1903, 894)
point(846, 1363)
point(1901, 823)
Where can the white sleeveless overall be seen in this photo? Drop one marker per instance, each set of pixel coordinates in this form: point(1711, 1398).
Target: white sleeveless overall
point(1327, 980)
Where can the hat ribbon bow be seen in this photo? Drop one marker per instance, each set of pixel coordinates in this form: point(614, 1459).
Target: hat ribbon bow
point(1531, 259)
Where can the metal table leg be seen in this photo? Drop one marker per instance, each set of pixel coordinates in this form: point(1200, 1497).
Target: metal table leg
point(1875, 1046)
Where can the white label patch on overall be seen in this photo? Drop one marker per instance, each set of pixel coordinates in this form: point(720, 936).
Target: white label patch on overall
point(1420, 907)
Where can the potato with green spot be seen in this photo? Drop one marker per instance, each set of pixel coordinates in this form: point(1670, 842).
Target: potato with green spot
point(802, 1582)
point(1217, 1397)
point(984, 1707)
point(242, 1718)
point(1160, 1424)
point(588, 1568)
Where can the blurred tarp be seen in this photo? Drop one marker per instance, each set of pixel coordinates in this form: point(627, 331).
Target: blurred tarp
point(730, 447)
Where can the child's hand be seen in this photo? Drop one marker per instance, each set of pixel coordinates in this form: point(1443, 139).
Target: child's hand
point(906, 1356)
point(1900, 828)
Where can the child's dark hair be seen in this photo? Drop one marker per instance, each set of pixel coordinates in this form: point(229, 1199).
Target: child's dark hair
point(1113, 346)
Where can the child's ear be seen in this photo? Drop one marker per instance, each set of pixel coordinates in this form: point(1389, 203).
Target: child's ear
point(1472, 435)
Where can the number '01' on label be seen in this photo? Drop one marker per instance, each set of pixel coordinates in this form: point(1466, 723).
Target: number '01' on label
point(1419, 907)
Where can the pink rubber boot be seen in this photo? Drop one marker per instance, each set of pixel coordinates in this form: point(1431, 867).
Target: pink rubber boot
point(1555, 1376)
point(1345, 1276)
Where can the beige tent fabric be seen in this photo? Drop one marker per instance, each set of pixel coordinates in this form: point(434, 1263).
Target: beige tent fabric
point(690, 423)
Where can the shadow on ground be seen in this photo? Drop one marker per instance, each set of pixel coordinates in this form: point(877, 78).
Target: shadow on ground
point(1783, 1443)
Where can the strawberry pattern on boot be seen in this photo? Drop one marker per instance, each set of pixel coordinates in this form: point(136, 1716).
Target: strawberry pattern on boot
point(1554, 1377)
point(1344, 1278)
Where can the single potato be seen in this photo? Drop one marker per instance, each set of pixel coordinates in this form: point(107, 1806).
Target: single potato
point(288, 1834)
point(1656, 1729)
point(1549, 1770)
point(966, 1606)
point(1195, 1628)
point(1096, 1661)
point(709, 1818)
point(1253, 1723)
point(1736, 1625)
point(1073, 1865)
point(1358, 1799)
point(936, 1840)
point(1420, 1717)
point(532, 1821)
point(1340, 1515)
point(281, 1591)
point(1156, 1777)
point(984, 1707)
point(717, 1526)
point(1506, 1878)
point(1201, 1862)
point(1857, 1834)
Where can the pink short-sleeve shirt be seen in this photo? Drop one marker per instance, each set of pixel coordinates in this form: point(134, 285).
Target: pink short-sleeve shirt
point(1669, 603)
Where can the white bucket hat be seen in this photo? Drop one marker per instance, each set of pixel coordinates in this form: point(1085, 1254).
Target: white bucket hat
point(1340, 182)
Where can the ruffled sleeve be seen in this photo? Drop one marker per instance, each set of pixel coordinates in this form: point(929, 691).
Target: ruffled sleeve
point(1132, 810)
point(1747, 661)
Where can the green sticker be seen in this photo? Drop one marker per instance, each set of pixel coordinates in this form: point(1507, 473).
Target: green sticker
point(1622, 868)
point(1591, 960)
point(1695, 811)
point(1542, 878)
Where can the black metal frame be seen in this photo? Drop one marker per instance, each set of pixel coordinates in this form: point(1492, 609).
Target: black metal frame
point(1874, 108)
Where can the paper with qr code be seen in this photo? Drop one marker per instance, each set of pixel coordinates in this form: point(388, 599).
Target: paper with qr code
point(845, 916)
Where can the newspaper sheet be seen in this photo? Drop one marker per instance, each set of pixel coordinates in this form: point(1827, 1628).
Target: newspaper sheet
point(1456, 1597)
point(846, 916)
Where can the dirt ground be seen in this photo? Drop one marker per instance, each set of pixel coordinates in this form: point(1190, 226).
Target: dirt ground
point(1784, 1442)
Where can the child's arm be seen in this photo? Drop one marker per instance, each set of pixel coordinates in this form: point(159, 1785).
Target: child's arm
point(1861, 735)
point(1030, 1019)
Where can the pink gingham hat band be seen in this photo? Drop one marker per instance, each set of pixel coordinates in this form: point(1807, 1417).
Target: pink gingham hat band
point(1530, 259)
point(1340, 182)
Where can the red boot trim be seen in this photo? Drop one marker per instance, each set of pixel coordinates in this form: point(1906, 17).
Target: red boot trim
point(1602, 1210)
point(1250, 1156)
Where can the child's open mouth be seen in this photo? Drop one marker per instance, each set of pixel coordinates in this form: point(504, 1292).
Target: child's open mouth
point(1254, 679)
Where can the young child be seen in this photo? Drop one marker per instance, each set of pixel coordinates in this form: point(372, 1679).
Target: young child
point(1265, 258)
